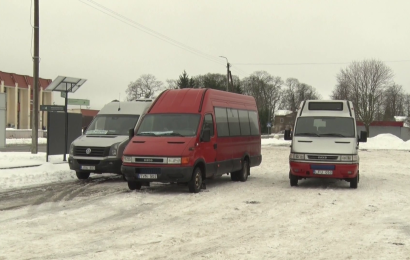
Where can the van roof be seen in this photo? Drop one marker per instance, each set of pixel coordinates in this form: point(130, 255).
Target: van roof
point(125, 108)
point(340, 108)
point(189, 100)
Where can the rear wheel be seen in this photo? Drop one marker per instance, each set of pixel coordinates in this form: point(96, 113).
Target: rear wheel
point(293, 180)
point(133, 185)
point(82, 175)
point(195, 183)
point(242, 174)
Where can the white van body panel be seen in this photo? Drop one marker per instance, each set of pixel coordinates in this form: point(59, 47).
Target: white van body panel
point(138, 107)
point(329, 144)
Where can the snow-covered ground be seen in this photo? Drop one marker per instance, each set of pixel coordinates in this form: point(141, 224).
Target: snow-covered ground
point(263, 218)
point(17, 141)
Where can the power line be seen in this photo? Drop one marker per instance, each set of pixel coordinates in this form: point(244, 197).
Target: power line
point(149, 31)
point(308, 63)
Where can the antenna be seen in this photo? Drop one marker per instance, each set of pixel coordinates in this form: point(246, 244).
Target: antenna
point(119, 101)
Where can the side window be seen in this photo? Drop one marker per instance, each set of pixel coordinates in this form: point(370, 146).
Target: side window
point(233, 119)
point(221, 122)
point(244, 122)
point(253, 118)
point(209, 123)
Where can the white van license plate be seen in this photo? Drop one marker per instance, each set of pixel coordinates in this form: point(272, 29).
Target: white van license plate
point(87, 167)
point(147, 176)
point(323, 172)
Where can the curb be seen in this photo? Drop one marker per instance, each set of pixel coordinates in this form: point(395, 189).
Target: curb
point(26, 166)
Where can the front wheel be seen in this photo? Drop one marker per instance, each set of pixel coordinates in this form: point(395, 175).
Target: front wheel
point(195, 183)
point(293, 180)
point(133, 185)
point(354, 182)
point(82, 175)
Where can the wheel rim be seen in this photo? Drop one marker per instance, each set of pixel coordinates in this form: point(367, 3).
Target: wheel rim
point(245, 169)
point(197, 180)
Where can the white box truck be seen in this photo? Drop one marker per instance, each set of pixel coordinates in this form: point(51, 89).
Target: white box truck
point(99, 149)
point(325, 142)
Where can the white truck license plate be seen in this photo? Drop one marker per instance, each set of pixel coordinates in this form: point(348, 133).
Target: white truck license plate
point(323, 172)
point(147, 176)
point(87, 167)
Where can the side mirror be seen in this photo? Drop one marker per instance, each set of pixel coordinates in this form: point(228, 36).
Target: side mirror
point(287, 135)
point(206, 135)
point(363, 137)
point(131, 133)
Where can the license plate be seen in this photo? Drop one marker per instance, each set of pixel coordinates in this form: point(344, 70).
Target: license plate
point(87, 167)
point(147, 176)
point(323, 172)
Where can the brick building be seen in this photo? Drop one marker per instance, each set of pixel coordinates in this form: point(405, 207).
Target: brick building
point(19, 92)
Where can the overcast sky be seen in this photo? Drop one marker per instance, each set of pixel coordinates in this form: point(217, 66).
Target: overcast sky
point(308, 40)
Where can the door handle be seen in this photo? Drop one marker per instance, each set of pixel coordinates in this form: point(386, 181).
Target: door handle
point(215, 146)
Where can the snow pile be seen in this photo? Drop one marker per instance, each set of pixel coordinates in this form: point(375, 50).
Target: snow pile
point(385, 141)
point(53, 171)
point(16, 141)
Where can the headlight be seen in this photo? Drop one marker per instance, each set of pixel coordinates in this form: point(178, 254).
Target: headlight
point(348, 158)
point(71, 152)
point(174, 160)
point(127, 159)
point(297, 156)
point(114, 149)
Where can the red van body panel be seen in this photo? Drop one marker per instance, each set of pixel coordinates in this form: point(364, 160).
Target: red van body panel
point(148, 154)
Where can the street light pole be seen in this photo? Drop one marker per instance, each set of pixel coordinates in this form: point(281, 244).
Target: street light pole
point(35, 112)
point(227, 73)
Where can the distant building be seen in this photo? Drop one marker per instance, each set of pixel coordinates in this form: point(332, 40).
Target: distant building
point(398, 129)
point(19, 92)
point(283, 119)
point(88, 115)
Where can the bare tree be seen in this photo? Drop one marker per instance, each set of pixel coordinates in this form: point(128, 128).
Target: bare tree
point(144, 87)
point(265, 88)
point(295, 92)
point(367, 81)
point(172, 84)
point(394, 99)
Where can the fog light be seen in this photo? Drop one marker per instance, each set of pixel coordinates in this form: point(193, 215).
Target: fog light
point(296, 170)
point(349, 172)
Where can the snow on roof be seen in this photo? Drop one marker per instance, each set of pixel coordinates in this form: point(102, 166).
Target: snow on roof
point(400, 118)
point(282, 112)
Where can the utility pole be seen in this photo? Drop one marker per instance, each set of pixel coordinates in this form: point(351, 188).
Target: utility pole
point(227, 73)
point(34, 114)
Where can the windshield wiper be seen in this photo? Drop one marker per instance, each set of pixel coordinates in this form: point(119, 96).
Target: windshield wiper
point(147, 133)
point(333, 134)
point(306, 134)
point(173, 134)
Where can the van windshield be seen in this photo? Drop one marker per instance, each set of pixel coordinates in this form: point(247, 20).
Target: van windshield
point(169, 125)
point(325, 127)
point(112, 124)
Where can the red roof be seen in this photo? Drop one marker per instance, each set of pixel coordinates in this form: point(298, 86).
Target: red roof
point(383, 123)
point(89, 112)
point(10, 80)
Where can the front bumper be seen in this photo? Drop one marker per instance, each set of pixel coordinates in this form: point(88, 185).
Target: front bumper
point(157, 174)
point(96, 166)
point(338, 171)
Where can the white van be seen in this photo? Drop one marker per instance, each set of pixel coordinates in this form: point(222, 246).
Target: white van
point(325, 142)
point(100, 148)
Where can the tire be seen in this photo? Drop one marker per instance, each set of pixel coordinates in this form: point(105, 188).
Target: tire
point(82, 175)
point(354, 182)
point(195, 183)
point(293, 180)
point(133, 185)
point(243, 174)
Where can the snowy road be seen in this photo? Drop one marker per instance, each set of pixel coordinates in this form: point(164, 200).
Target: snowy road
point(263, 218)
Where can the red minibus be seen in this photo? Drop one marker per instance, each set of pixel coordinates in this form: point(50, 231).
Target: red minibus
point(189, 135)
